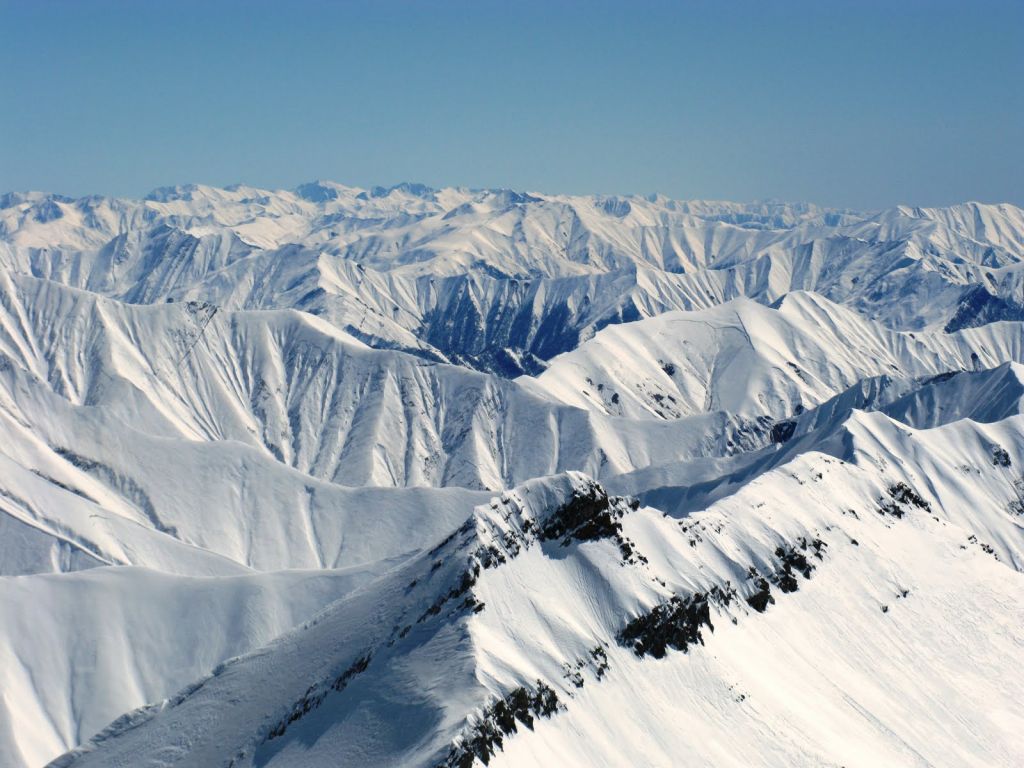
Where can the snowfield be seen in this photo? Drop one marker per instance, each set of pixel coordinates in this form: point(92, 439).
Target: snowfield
point(443, 478)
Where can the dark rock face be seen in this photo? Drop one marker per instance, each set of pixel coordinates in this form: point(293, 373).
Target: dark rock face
point(783, 431)
point(762, 598)
point(1000, 458)
point(902, 496)
point(586, 517)
point(465, 583)
point(600, 660)
point(1016, 506)
point(589, 516)
point(675, 624)
point(501, 719)
point(793, 560)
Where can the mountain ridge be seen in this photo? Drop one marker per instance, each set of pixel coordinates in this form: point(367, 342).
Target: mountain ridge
point(370, 262)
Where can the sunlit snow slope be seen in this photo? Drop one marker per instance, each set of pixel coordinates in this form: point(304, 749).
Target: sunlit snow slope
point(794, 622)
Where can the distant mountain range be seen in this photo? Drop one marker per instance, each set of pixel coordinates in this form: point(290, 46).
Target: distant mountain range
point(503, 281)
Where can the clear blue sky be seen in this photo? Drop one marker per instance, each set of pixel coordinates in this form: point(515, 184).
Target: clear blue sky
point(862, 104)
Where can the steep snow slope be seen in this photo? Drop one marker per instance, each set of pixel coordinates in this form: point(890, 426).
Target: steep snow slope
point(985, 396)
point(77, 650)
point(745, 358)
point(136, 430)
point(822, 614)
point(299, 392)
point(504, 280)
point(202, 509)
point(110, 453)
point(945, 434)
point(203, 442)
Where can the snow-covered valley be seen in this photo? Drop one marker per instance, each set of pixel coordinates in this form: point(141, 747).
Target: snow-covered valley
point(417, 477)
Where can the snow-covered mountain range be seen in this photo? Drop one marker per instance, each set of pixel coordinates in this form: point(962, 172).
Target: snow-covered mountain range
point(417, 477)
point(504, 281)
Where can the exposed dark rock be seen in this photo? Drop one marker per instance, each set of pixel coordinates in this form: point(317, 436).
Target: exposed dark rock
point(573, 673)
point(629, 552)
point(1000, 458)
point(783, 431)
point(591, 515)
point(465, 583)
point(902, 496)
point(587, 516)
point(675, 624)
point(792, 560)
point(1016, 506)
point(315, 696)
point(760, 600)
point(939, 378)
point(600, 659)
point(464, 528)
point(501, 719)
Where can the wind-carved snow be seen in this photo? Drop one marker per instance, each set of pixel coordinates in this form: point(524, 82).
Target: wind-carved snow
point(275, 490)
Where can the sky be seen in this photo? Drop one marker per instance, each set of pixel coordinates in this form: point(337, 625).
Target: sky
point(857, 104)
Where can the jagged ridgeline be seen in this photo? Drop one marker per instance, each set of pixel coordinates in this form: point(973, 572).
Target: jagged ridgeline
point(555, 603)
point(504, 281)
